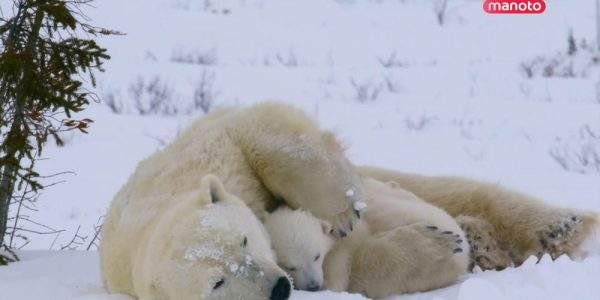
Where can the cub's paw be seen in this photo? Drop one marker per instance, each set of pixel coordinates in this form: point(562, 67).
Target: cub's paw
point(557, 238)
point(344, 223)
point(485, 249)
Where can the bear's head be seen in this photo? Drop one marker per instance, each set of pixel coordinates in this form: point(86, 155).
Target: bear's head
point(301, 242)
point(217, 249)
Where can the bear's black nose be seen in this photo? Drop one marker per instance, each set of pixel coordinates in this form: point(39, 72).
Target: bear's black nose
point(313, 287)
point(281, 290)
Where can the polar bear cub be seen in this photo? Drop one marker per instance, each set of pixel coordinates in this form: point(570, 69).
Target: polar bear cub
point(301, 242)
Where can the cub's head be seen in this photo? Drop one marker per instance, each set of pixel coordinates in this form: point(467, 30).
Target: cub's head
point(218, 249)
point(301, 242)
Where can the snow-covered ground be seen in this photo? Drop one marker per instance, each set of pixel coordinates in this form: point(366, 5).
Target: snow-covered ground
point(401, 90)
point(76, 275)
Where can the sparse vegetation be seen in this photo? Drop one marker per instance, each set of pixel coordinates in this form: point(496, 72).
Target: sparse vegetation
point(366, 91)
point(204, 94)
point(203, 58)
point(391, 61)
point(419, 123)
point(440, 8)
point(577, 61)
point(580, 153)
point(154, 96)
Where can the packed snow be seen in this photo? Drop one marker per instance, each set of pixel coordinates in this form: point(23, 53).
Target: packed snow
point(498, 98)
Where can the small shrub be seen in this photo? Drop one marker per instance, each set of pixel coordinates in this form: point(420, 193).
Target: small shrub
point(418, 124)
point(204, 94)
point(391, 61)
point(204, 58)
point(576, 61)
point(440, 8)
point(116, 106)
point(289, 59)
point(153, 97)
point(366, 91)
point(579, 153)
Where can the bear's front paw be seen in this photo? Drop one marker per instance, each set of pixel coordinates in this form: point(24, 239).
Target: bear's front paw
point(345, 222)
point(451, 240)
point(486, 251)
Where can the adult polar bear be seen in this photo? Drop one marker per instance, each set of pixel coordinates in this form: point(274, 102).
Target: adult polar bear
point(265, 154)
point(261, 154)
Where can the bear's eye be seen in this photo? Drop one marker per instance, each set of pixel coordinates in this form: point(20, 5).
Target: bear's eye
point(317, 257)
point(245, 242)
point(219, 284)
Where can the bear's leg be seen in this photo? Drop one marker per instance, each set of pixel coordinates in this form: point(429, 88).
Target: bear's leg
point(407, 259)
point(486, 250)
point(527, 225)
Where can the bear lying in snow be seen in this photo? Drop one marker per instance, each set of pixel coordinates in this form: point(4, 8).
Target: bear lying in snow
point(261, 154)
point(503, 227)
point(271, 154)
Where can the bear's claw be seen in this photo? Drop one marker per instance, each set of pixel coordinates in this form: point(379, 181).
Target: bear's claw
point(454, 241)
point(555, 238)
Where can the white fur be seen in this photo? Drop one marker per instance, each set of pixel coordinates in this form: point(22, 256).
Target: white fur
point(301, 242)
point(394, 232)
point(261, 154)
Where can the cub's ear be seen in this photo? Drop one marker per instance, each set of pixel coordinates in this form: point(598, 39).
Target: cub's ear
point(332, 141)
point(327, 228)
point(213, 189)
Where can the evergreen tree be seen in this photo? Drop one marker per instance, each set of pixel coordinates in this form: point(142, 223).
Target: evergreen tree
point(45, 51)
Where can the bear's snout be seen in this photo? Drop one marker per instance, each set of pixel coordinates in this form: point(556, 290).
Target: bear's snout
point(281, 290)
point(313, 286)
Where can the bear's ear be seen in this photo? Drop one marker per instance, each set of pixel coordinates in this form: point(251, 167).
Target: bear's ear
point(392, 184)
point(213, 188)
point(326, 227)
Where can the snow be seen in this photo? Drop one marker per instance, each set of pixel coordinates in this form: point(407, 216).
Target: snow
point(399, 90)
point(75, 275)
point(350, 193)
point(360, 205)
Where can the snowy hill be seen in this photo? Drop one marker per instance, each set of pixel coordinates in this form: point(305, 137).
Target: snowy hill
point(480, 96)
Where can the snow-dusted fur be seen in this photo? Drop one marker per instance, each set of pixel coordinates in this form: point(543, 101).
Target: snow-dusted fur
point(520, 224)
point(404, 245)
point(301, 242)
point(204, 239)
point(262, 154)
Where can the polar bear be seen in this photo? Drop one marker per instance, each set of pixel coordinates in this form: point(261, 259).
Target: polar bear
point(506, 226)
point(264, 155)
point(395, 249)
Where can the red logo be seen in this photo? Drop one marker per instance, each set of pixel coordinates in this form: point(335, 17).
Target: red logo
point(514, 6)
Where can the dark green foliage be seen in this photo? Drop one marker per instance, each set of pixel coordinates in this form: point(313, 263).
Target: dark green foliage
point(45, 51)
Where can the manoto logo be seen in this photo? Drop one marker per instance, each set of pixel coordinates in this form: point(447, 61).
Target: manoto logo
point(514, 6)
